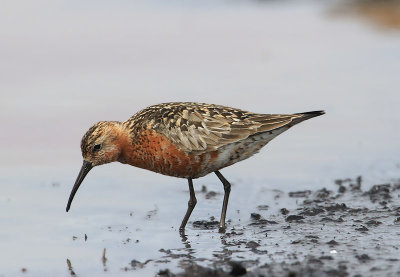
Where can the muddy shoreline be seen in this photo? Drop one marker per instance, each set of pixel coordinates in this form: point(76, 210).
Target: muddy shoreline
point(348, 232)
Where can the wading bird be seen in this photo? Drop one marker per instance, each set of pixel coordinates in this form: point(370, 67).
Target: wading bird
point(183, 139)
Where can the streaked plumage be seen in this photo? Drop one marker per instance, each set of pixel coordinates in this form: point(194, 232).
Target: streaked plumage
point(184, 139)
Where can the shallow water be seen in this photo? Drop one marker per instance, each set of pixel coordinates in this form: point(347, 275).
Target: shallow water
point(68, 65)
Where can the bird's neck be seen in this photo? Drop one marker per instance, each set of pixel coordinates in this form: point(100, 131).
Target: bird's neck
point(130, 146)
point(121, 141)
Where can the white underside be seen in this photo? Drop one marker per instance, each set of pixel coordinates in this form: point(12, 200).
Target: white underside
point(241, 150)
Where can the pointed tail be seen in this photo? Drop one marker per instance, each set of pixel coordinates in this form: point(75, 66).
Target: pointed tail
point(307, 115)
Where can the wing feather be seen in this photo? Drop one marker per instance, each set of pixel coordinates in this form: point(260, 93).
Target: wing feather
point(204, 128)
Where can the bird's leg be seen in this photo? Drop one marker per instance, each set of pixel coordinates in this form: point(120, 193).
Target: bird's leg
point(227, 189)
point(191, 204)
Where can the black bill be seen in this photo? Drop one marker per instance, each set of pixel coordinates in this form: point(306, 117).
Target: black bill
point(86, 167)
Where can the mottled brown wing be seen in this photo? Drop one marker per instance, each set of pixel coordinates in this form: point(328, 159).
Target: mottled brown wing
point(210, 128)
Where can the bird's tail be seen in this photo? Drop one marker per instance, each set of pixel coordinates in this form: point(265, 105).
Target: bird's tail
point(307, 115)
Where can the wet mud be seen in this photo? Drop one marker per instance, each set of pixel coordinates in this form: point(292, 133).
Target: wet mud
point(346, 232)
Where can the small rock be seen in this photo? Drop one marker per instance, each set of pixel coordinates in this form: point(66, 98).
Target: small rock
point(373, 223)
point(284, 211)
point(362, 229)
point(165, 273)
point(303, 193)
point(329, 219)
point(379, 193)
point(237, 269)
point(262, 207)
point(252, 244)
point(357, 185)
point(363, 258)
point(162, 250)
point(255, 216)
point(291, 218)
point(336, 207)
point(323, 193)
point(296, 241)
point(312, 211)
point(135, 263)
point(332, 242)
point(206, 225)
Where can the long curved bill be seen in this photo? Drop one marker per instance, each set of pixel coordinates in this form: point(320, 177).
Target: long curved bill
point(86, 167)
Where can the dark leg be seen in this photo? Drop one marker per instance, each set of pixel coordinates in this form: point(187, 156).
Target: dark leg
point(192, 202)
point(227, 189)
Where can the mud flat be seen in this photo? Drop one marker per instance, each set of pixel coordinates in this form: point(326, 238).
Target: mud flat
point(347, 232)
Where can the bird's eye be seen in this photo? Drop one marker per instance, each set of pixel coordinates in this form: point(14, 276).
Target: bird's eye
point(96, 147)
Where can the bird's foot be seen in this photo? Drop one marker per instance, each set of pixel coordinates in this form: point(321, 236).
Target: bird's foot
point(222, 229)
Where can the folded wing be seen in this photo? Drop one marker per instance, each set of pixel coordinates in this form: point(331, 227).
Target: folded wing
point(207, 128)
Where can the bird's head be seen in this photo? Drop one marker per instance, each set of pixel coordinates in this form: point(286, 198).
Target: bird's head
point(100, 145)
